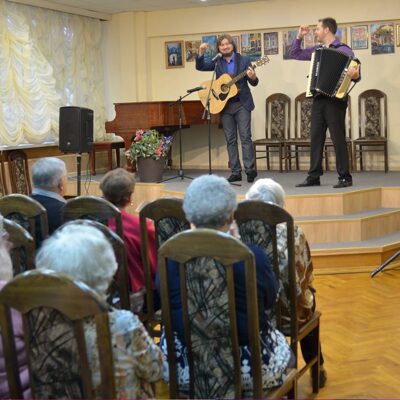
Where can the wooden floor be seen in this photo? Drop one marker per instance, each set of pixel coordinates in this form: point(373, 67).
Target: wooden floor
point(360, 336)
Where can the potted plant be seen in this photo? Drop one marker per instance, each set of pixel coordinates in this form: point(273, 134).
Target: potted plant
point(149, 149)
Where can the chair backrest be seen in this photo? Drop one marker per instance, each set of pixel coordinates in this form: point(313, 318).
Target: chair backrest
point(258, 224)
point(119, 291)
point(277, 116)
point(28, 213)
point(54, 309)
point(94, 208)
point(206, 259)
point(372, 114)
point(19, 172)
point(3, 183)
point(23, 247)
point(347, 120)
point(169, 219)
point(302, 112)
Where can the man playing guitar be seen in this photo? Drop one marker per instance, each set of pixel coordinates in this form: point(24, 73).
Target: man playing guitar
point(236, 115)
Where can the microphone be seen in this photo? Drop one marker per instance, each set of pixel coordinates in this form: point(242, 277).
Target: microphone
point(215, 58)
point(196, 89)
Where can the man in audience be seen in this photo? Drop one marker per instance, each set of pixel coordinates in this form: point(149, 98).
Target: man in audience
point(49, 176)
point(268, 190)
point(210, 202)
point(84, 253)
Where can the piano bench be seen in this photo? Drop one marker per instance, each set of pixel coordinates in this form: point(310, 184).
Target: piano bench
point(109, 147)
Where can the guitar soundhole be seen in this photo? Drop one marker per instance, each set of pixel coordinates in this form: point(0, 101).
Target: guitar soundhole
point(224, 88)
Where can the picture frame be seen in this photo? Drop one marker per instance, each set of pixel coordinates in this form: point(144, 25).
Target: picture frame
point(238, 43)
point(382, 38)
point(309, 39)
point(341, 34)
point(174, 54)
point(251, 45)
point(288, 38)
point(398, 34)
point(191, 50)
point(359, 37)
point(271, 43)
point(212, 50)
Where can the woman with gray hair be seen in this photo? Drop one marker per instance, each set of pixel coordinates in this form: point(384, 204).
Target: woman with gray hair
point(84, 253)
point(210, 202)
point(268, 190)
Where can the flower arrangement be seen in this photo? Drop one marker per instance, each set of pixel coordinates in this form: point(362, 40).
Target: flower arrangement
point(149, 143)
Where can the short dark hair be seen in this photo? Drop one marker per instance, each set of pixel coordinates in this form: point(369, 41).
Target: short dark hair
point(329, 23)
point(117, 186)
point(229, 38)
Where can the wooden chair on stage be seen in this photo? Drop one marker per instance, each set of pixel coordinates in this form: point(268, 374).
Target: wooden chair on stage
point(169, 219)
point(19, 172)
point(257, 222)
point(57, 307)
point(206, 259)
point(277, 130)
point(372, 123)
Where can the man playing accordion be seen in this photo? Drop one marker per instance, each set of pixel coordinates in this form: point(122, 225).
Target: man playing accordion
point(327, 112)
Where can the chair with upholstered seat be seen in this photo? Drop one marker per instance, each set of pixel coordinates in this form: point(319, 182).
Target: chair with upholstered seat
point(23, 247)
point(94, 208)
point(28, 213)
point(53, 305)
point(372, 125)
point(258, 222)
point(302, 130)
point(206, 258)
point(277, 130)
point(19, 172)
point(169, 219)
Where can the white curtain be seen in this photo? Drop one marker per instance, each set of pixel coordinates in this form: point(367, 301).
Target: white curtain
point(48, 59)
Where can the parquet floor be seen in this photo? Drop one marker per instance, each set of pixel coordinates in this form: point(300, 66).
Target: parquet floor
point(360, 334)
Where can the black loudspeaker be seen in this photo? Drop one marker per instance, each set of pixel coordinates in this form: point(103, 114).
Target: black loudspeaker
point(76, 130)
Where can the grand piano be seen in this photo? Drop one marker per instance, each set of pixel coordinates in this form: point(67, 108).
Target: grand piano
point(161, 115)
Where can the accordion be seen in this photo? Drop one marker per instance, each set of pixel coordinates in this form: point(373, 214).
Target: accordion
point(328, 73)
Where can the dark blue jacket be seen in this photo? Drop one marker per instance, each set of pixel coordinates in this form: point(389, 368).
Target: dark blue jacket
point(241, 64)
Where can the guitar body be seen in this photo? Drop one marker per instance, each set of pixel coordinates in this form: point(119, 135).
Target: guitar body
point(221, 92)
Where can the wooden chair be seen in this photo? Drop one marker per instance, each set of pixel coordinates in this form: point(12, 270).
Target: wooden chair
point(206, 259)
point(169, 219)
point(257, 222)
point(28, 213)
point(19, 172)
point(372, 123)
point(94, 208)
point(3, 183)
point(302, 130)
point(277, 130)
point(329, 144)
point(23, 247)
point(119, 295)
point(54, 309)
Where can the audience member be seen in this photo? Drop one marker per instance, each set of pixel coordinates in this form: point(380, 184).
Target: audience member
point(84, 253)
point(49, 176)
point(210, 202)
point(117, 187)
point(268, 190)
point(6, 275)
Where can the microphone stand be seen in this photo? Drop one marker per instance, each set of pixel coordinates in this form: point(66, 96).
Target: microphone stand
point(180, 171)
point(387, 262)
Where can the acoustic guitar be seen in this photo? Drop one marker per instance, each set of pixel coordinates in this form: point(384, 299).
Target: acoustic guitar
point(224, 88)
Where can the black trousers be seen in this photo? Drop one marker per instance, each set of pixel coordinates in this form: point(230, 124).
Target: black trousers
point(307, 345)
point(328, 113)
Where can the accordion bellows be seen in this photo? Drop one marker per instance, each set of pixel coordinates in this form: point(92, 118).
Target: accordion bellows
point(328, 73)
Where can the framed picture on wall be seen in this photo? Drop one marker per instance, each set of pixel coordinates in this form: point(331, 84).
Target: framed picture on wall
point(398, 34)
point(271, 45)
point(359, 37)
point(341, 34)
point(309, 40)
point(211, 51)
point(174, 54)
point(251, 45)
point(238, 43)
point(191, 49)
point(382, 38)
point(288, 38)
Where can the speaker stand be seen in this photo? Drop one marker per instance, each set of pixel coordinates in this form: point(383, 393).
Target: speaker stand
point(78, 172)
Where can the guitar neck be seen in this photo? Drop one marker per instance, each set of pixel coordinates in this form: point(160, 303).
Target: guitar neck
point(240, 76)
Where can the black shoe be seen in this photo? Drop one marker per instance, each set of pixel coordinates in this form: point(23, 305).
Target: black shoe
point(322, 377)
point(235, 178)
point(251, 175)
point(310, 182)
point(343, 183)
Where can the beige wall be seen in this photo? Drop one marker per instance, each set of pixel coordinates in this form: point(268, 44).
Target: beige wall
point(135, 64)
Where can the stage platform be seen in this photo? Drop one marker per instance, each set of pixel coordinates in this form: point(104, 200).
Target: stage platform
point(349, 230)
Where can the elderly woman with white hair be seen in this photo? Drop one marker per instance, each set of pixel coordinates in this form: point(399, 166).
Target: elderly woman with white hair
point(268, 190)
point(210, 202)
point(84, 253)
